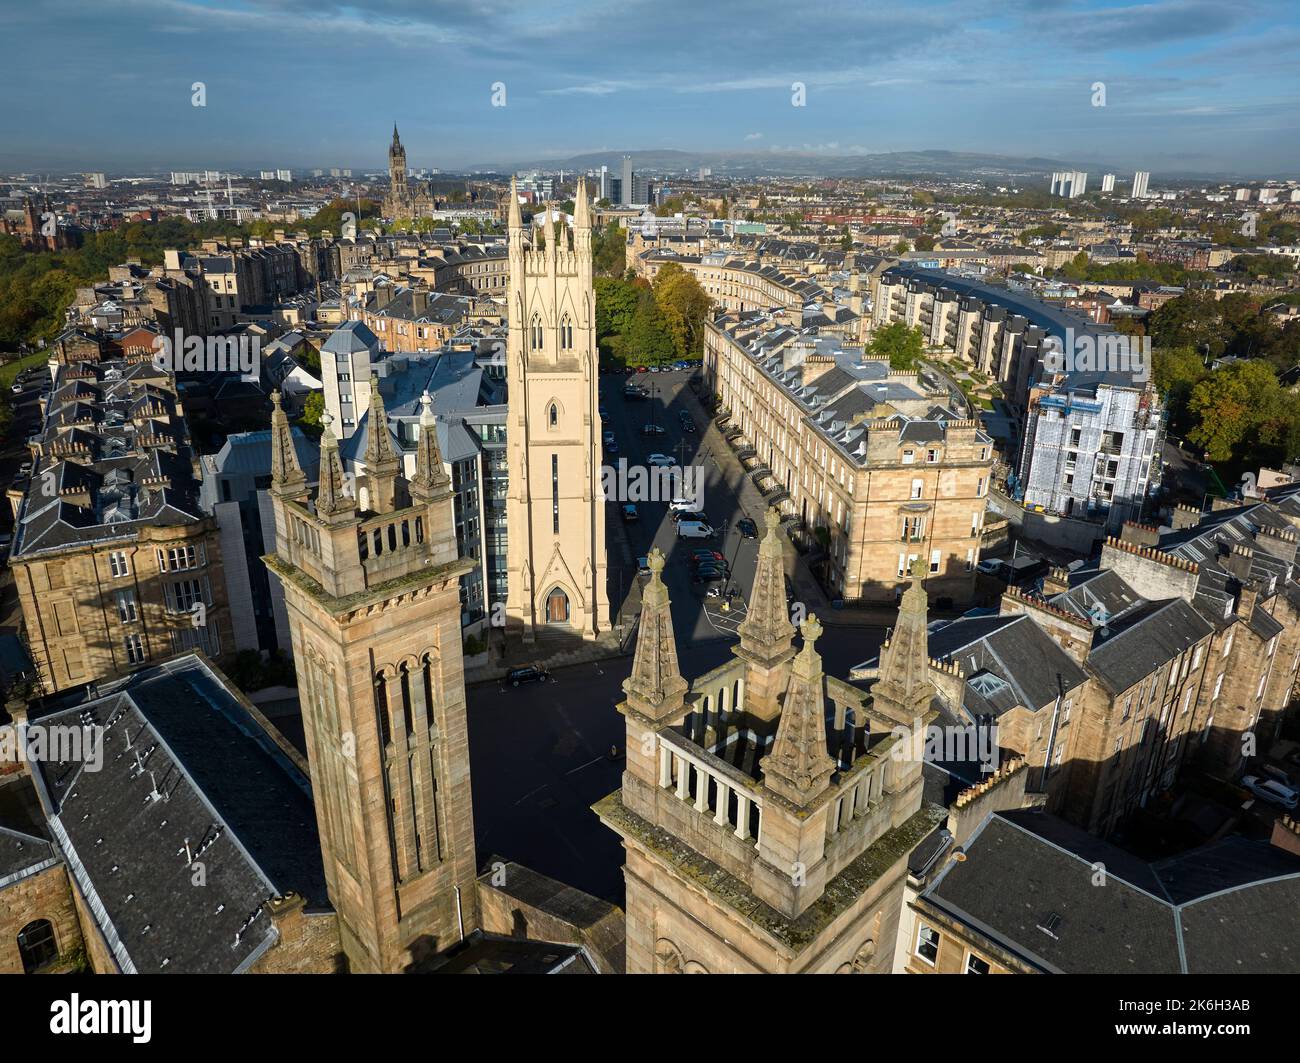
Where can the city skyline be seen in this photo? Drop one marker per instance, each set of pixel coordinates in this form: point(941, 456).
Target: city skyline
point(1205, 87)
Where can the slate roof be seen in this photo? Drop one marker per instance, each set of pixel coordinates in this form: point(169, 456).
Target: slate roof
point(1229, 907)
point(184, 764)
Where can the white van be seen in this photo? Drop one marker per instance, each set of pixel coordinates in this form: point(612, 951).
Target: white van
point(693, 529)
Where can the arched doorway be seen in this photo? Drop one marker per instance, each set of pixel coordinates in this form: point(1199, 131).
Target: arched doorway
point(557, 607)
point(36, 945)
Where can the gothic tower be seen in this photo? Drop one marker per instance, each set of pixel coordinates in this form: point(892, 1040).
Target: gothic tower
point(555, 513)
point(397, 186)
point(767, 827)
point(374, 611)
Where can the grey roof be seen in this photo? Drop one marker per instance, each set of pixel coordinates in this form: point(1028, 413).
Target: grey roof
point(184, 764)
point(1028, 884)
point(351, 337)
point(1026, 664)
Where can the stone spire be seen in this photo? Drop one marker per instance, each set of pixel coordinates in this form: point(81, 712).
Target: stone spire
point(903, 689)
point(430, 480)
point(799, 767)
point(514, 219)
point(656, 687)
point(382, 463)
point(581, 208)
point(766, 631)
point(287, 477)
point(333, 503)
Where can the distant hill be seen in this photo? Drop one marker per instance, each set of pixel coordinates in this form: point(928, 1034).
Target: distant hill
point(794, 164)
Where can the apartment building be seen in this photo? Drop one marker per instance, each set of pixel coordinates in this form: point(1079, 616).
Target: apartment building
point(1091, 434)
point(115, 563)
point(1026, 896)
point(869, 463)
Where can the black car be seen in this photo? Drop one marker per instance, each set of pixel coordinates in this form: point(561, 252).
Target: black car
point(529, 674)
point(747, 528)
point(679, 515)
point(709, 577)
point(705, 571)
point(652, 430)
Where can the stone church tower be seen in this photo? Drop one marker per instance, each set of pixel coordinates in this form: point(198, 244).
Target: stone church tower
point(768, 809)
point(374, 610)
point(555, 513)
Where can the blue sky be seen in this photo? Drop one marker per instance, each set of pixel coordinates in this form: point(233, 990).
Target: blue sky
point(1191, 85)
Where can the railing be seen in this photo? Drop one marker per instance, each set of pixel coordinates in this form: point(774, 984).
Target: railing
point(710, 790)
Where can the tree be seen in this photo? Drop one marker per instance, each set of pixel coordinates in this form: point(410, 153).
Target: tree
point(900, 343)
point(312, 412)
point(649, 341)
point(1229, 405)
point(616, 302)
point(685, 308)
point(609, 250)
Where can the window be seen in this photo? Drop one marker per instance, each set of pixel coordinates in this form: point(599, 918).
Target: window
point(36, 945)
point(974, 965)
point(909, 456)
point(1218, 685)
point(1227, 643)
point(979, 488)
point(970, 559)
point(927, 944)
point(1128, 704)
point(936, 559)
point(126, 610)
point(555, 493)
point(918, 486)
point(179, 558)
point(931, 455)
point(1065, 712)
point(535, 333)
point(1259, 691)
point(134, 649)
point(118, 564)
point(184, 594)
point(913, 529)
point(1196, 658)
point(553, 416)
point(566, 334)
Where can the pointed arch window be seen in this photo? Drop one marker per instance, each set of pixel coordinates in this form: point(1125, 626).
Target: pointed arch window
point(566, 333)
point(553, 415)
point(535, 332)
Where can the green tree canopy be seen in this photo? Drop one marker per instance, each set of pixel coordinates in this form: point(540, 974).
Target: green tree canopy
point(902, 344)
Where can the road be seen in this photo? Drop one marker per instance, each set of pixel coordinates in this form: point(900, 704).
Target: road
point(540, 753)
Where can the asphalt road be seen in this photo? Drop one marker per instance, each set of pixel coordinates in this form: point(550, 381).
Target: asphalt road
point(540, 753)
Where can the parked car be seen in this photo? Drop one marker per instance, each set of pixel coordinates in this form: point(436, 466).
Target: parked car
point(709, 577)
point(643, 566)
point(533, 673)
point(607, 438)
point(634, 394)
point(705, 555)
point(17, 389)
point(682, 505)
point(1272, 791)
point(715, 569)
point(629, 513)
point(693, 529)
point(747, 528)
point(660, 461)
point(652, 430)
point(991, 567)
